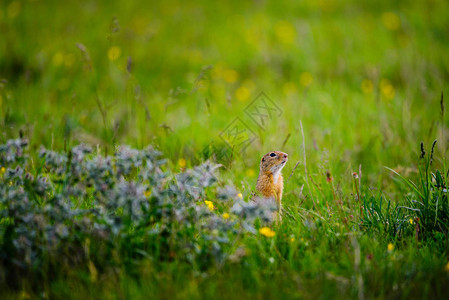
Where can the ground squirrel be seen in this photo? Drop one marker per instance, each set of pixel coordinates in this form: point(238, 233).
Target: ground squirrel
point(270, 182)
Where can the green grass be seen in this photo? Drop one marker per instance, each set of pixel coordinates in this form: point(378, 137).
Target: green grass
point(365, 79)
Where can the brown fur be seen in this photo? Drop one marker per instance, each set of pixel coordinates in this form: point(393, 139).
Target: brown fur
point(270, 170)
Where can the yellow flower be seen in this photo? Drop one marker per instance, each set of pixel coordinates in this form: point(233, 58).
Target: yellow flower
point(2, 170)
point(285, 32)
point(230, 75)
point(411, 221)
point(242, 93)
point(387, 89)
point(58, 59)
point(209, 204)
point(305, 79)
point(289, 88)
point(391, 20)
point(250, 173)
point(367, 86)
point(225, 216)
point(447, 267)
point(267, 232)
point(114, 53)
point(390, 247)
point(217, 71)
point(13, 9)
point(182, 162)
point(292, 239)
point(240, 195)
point(147, 193)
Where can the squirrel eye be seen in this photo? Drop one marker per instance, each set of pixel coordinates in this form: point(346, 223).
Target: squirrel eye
point(272, 154)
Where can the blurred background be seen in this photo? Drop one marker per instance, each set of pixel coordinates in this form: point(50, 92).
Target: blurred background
point(364, 77)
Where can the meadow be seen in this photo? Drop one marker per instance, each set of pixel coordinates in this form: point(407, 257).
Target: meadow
point(132, 134)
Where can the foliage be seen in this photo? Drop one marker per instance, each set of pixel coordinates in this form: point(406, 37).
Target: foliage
point(423, 212)
point(79, 207)
point(355, 85)
point(427, 203)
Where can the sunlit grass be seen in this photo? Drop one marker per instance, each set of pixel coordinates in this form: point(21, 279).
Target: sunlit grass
point(364, 78)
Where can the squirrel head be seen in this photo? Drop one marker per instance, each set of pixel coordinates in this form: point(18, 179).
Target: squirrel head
point(273, 162)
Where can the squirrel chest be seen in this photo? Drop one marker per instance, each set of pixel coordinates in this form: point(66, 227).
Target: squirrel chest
point(270, 182)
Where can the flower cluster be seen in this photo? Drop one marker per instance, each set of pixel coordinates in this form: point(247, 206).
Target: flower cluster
point(79, 206)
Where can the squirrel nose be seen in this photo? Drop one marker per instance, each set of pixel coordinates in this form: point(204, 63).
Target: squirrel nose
point(285, 155)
